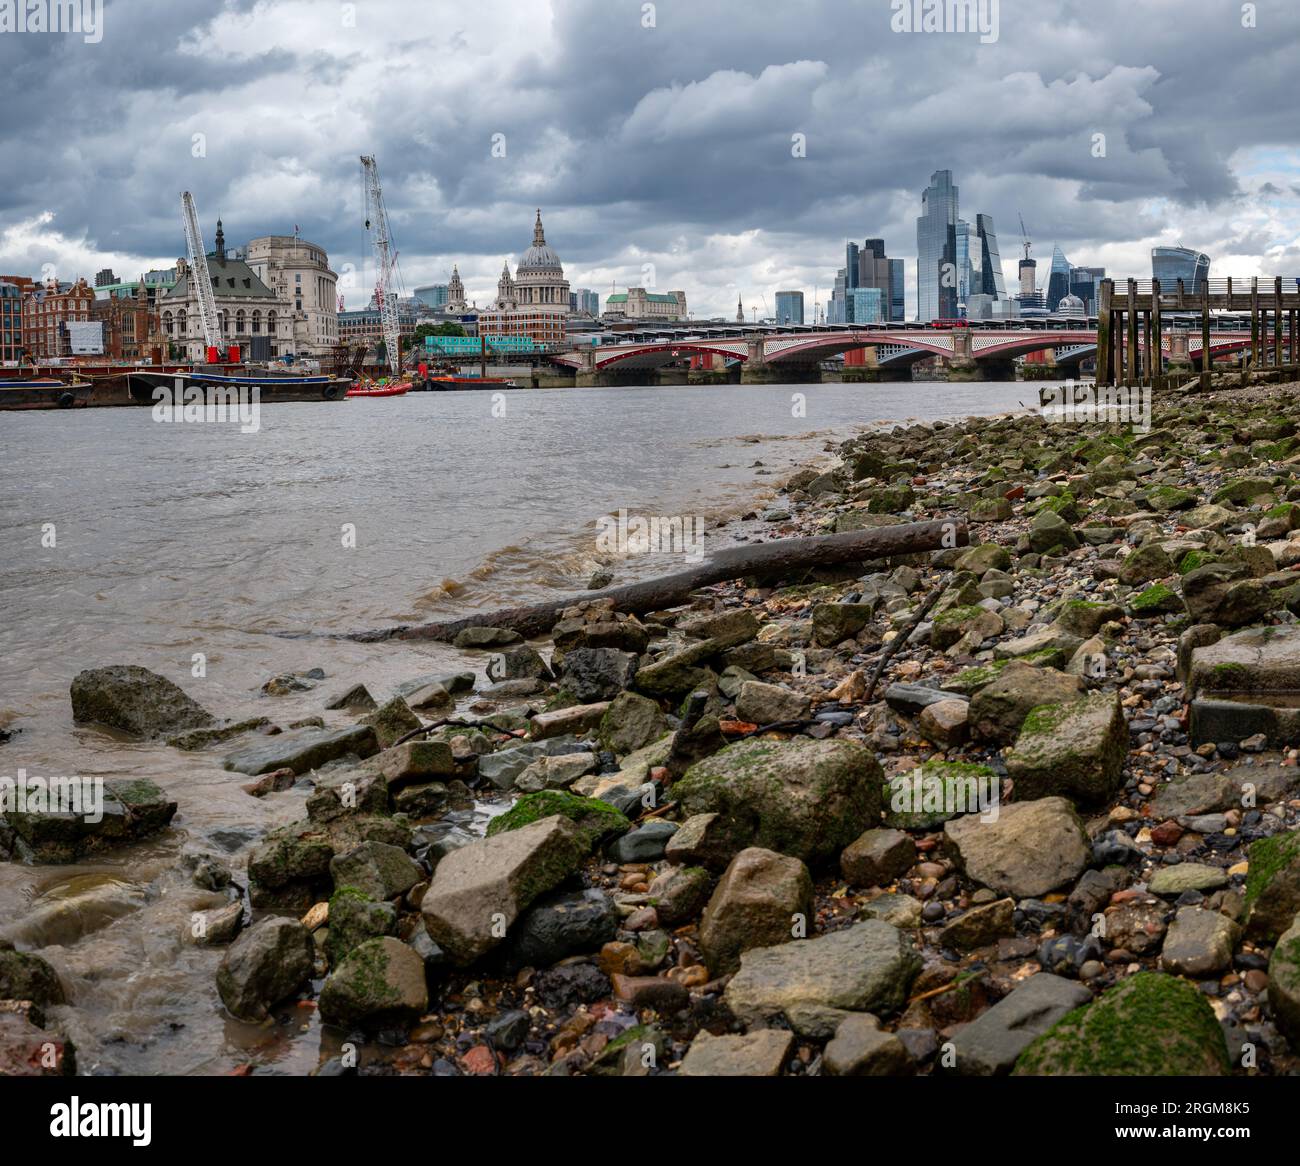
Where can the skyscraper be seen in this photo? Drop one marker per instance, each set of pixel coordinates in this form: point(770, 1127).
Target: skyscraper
point(936, 249)
point(789, 307)
point(991, 282)
point(851, 260)
point(1058, 281)
point(1170, 264)
point(897, 300)
point(965, 267)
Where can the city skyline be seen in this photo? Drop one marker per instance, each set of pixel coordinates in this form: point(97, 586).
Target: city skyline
point(686, 166)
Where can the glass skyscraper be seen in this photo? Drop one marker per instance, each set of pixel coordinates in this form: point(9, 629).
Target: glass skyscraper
point(897, 293)
point(936, 250)
point(789, 307)
point(1170, 264)
point(1058, 282)
point(991, 282)
point(866, 305)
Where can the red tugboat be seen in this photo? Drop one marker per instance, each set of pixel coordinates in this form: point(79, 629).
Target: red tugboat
point(379, 389)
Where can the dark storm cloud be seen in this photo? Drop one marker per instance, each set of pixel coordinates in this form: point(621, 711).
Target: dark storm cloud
point(669, 144)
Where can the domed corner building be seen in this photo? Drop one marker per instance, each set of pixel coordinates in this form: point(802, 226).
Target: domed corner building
point(1071, 308)
point(534, 302)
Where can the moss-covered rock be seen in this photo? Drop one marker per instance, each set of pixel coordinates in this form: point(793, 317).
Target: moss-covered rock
point(380, 981)
point(1075, 749)
point(802, 797)
point(1273, 885)
point(1151, 1025)
point(596, 820)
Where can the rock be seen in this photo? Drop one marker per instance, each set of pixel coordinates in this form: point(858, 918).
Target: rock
point(1146, 565)
point(630, 723)
point(1273, 885)
point(130, 810)
point(901, 911)
point(562, 924)
point(861, 1049)
point(1186, 876)
point(979, 560)
point(913, 699)
point(980, 926)
point(1199, 943)
point(340, 794)
point(707, 840)
point(136, 701)
point(1079, 617)
point(392, 721)
point(504, 766)
point(1032, 848)
point(1076, 749)
point(356, 699)
point(946, 722)
point(968, 625)
point(595, 819)
point(931, 794)
point(429, 697)
point(570, 984)
point(1223, 593)
point(355, 917)
point(29, 1050)
point(760, 900)
point(770, 704)
point(758, 1054)
point(1284, 984)
point(486, 638)
point(999, 708)
point(989, 510)
point(1149, 1025)
point(990, 1044)
point(381, 981)
point(877, 857)
point(1049, 532)
point(25, 976)
point(192, 740)
point(376, 869)
point(679, 893)
point(555, 772)
point(802, 797)
point(566, 722)
point(219, 926)
point(479, 890)
point(1197, 793)
point(521, 662)
point(415, 761)
point(597, 674)
point(268, 963)
point(303, 750)
point(835, 622)
point(867, 967)
point(644, 843)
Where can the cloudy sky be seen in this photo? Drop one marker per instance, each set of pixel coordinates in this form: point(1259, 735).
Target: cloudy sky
point(658, 139)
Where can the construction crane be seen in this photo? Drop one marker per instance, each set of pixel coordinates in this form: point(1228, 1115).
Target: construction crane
point(1024, 234)
point(387, 284)
point(201, 281)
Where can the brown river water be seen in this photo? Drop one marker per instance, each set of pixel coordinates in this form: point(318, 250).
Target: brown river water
point(172, 540)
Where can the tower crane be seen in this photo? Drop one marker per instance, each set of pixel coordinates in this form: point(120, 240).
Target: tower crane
point(1024, 234)
point(209, 317)
point(387, 282)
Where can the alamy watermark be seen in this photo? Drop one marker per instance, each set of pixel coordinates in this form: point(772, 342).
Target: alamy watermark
point(926, 792)
point(209, 403)
point(1076, 404)
point(84, 18)
point(82, 797)
point(639, 535)
point(979, 16)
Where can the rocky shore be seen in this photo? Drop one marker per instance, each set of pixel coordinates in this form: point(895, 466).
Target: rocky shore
point(1055, 833)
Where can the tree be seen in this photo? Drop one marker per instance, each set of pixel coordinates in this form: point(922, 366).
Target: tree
point(445, 329)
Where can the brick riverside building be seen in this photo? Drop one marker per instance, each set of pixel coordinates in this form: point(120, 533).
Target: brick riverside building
point(47, 311)
point(132, 324)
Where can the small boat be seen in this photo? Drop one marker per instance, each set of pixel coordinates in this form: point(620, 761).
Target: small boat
point(380, 390)
point(271, 384)
point(450, 381)
point(30, 393)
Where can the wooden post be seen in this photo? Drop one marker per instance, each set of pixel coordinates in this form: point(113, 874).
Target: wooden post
point(1157, 329)
point(1132, 373)
point(1105, 365)
point(1148, 366)
point(1291, 355)
point(1254, 321)
point(1206, 365)
point(1277, 322)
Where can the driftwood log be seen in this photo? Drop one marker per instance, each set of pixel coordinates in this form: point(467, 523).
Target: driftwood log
point(777, 557)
